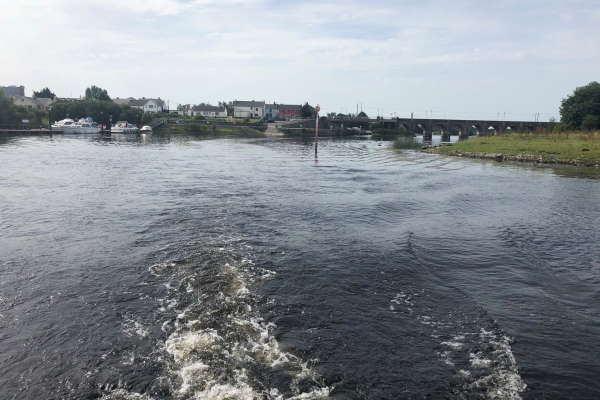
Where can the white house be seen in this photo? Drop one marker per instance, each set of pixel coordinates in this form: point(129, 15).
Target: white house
point(248, 109)
point(32, 102)
point(206, 110)
point(146, 105)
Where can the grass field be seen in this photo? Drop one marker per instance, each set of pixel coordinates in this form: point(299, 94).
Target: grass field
point(564, 145)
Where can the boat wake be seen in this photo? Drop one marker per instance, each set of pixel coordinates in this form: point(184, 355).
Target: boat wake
point(472, 345)
point(217, 345)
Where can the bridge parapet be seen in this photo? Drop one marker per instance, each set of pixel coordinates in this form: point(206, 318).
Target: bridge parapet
point(462, 127)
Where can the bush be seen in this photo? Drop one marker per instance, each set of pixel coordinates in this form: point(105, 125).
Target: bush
point(387, 133)
point(195, 127)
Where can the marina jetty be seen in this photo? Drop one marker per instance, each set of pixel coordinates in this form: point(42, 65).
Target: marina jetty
point(25, 132)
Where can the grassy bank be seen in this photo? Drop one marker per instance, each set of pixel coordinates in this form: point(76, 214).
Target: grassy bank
point(578, 148)
point(212, 130)
point(392, 134)
point(406, 143)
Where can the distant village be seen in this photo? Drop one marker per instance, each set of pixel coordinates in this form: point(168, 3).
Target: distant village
point(233, 109)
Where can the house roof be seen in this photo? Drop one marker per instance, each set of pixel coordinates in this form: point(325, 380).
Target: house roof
point(122, 101)
point(284, 107)
point(40, 101)
point(207, 107)
point(289, 107)
point(43, 101)
point(251, 104)
point(138, 102)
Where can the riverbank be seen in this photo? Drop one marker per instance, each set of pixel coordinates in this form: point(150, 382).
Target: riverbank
point(212, 130)
point(568, 148)
point(27, 132)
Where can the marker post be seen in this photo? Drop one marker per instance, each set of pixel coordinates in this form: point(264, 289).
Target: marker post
point(317, 109)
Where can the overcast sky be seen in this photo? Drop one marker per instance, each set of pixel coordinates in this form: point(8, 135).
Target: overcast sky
point(465, 58)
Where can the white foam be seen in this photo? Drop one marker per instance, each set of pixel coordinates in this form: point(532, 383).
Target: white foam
point(227, 392)
point(199, 354)
point(161, 268)
point(181, 346)
point(497, 373)
point(191, 375)
point(315, 394)
point(122, 394)
point(504, 381)
point(445, 357)
point(132, 327)
point(403, 298)
point(478, 361)
point(495, 365)
point(453, 345)
point(267, 274)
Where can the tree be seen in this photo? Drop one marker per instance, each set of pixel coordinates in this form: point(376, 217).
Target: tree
point(307, 111)
point(147, 118)
point(590, 122)
point(7, 111)
point(362, 114)
point(45, 93)
point(11, 115)
point(96, 93)
point(584, 103)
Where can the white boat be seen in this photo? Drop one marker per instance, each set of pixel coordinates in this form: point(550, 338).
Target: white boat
point(84, 125)
point(124, 127)
point(146, 129)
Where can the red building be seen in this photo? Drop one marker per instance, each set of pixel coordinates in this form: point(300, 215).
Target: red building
point(282, 111)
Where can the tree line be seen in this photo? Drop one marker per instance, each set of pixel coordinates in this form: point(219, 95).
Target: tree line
point(11, 116)
point(98, 105)
point(580, 110)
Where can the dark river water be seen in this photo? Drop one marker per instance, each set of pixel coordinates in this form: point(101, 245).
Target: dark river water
point(176, 268)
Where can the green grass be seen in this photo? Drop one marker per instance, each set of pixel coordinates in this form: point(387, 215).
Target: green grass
point(564, 145)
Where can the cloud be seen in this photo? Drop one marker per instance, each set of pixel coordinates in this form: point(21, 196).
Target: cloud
point(208, 50)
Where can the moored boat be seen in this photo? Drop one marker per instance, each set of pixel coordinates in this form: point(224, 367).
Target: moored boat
point(124, 127)
point(68, 125)
point(146, 129)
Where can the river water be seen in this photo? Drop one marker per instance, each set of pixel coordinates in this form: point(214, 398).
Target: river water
point(177, 268)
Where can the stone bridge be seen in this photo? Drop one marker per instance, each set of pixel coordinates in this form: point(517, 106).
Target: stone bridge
point(445, 127)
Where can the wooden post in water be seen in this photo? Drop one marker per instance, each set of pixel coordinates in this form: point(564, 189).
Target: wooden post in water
point(317, 109)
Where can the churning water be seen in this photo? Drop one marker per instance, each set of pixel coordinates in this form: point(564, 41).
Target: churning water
point(174, 268)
